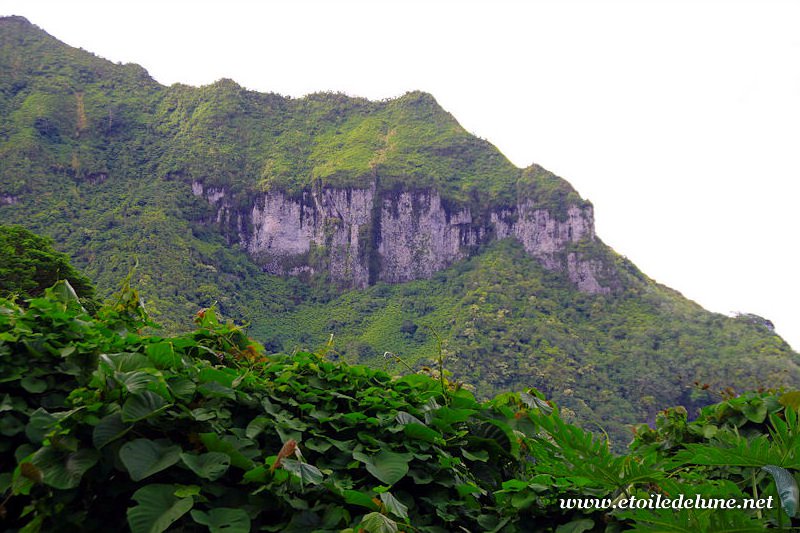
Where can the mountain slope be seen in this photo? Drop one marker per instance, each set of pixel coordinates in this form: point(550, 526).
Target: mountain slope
point(209, 188)
point(508, 324)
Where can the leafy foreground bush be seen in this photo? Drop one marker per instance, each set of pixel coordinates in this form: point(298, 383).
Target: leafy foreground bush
point(103, 426)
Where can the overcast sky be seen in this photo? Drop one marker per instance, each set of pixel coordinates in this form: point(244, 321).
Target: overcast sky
point(679, 120)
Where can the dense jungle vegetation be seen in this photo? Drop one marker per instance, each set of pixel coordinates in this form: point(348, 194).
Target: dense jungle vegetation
point(100, 158)
point(506, 324)
point(106, 422)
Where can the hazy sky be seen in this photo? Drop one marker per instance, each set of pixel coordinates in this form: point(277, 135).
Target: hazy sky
point(679, 120)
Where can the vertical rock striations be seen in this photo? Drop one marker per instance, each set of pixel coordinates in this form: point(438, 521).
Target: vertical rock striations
point(360, 236)
point(419, 237)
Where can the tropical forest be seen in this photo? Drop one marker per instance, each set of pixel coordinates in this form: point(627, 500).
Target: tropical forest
point(231, 311)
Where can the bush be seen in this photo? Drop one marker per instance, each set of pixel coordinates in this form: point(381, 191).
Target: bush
point(103, 425)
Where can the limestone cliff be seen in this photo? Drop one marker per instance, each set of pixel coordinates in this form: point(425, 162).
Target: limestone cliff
point(360, 236)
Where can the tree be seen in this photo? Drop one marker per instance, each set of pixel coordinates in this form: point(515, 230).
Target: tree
point(29, 265)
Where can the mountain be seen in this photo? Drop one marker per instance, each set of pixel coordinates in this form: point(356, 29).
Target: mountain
point(383, 226)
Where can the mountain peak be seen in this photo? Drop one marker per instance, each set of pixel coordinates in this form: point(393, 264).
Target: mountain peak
point(28, 54)
point(20, 27)
point(16, 19)
point(418, 98)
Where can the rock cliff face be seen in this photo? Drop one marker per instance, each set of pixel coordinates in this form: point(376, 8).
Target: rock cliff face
point(359, 236)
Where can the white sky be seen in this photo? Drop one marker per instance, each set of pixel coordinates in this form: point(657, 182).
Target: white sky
point(679, 120)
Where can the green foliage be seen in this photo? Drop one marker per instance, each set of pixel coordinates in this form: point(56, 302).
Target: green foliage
point(158, 508)
point(194, 436)
point(204, 431)
point(102, 159)
point(786, 486)
point(548, 191)
point(506, 323)
point(29, 265)
point(66, 105)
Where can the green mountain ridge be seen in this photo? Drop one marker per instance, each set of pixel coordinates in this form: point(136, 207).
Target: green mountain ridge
point(103, 159)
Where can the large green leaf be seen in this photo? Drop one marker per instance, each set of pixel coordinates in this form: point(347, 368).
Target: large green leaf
point(787, 488)
point(62, 469)
point(211, 465)
point(163, 355)
point(755, 411)
point(306, 472)
point(423, 433)
point(64, 292)
point(356, 497)
point(405, 418)
point(223, 520)
point(142, 405)
point(394, 506)
point(145, 457)
point(182, 388)
point(158, 509)
point(478, 455)
point(223, 376)
point(125, 362)
point(230, 446)
point(448, 415)
point(135, 381)
point(33, 385)
point(256, 426)
point(378, 523)
point(212, 389)
point(40, 424)
point(388, 467)
point(10, 425)
point(109, 429)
